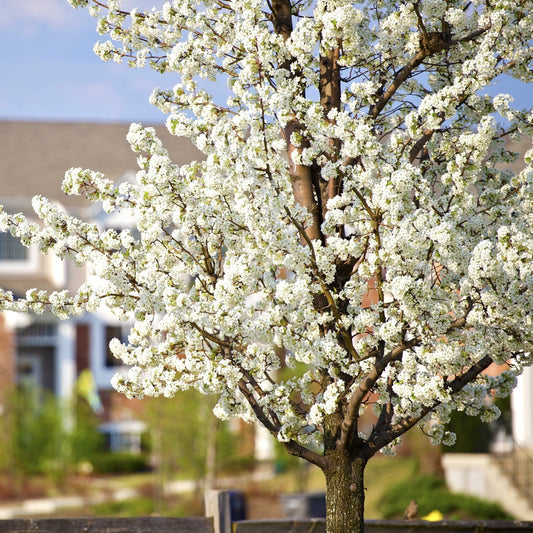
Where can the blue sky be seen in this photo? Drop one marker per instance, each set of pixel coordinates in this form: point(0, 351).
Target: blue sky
point(50, 72)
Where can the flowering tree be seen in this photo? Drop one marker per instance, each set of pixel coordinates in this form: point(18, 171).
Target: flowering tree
point(354, 208)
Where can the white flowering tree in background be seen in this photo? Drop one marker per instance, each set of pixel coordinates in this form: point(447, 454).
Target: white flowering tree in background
point(354, 208)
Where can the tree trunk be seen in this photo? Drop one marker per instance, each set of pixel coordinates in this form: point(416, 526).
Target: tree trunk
point(345, 493)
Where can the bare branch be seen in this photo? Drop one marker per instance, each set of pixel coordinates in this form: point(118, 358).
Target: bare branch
point(352, 412)
point(273, 427)
point(381, 438)
point(431, 44)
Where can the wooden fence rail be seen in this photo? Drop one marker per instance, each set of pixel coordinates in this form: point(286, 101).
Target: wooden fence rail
point(205, 525)
point(108, 525)
point(386, 526)
point(218, 520)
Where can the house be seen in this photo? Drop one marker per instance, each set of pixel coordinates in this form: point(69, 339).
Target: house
point(51, 353)
point(40, 349)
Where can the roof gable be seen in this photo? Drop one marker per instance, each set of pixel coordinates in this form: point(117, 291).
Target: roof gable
point(36, 155)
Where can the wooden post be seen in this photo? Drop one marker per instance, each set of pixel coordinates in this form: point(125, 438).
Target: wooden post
point(217, 505)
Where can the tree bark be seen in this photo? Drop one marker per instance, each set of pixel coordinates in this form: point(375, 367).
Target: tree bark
point(345, 493)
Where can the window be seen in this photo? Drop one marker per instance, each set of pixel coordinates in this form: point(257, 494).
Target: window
point(11, 248)
point(123, 435)
point(29, 371)
point(16, 259)
point(37, 332)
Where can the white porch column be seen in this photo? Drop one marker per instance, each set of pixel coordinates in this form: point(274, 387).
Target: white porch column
point(263, 444)
point(522, 409)
point(65, 363)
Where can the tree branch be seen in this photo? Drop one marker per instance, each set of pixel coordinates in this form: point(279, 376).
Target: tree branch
point(430, 44)
point(379, 439)
point(349, 422)
point(274, 427)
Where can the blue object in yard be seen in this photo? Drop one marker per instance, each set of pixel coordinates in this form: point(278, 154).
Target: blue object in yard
point(302, 505)
point(237, 505)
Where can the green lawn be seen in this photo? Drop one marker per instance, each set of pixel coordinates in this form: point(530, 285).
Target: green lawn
point(382, 472)
point(391, 482)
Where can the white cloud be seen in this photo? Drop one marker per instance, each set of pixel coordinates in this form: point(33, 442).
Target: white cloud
point(31, 15)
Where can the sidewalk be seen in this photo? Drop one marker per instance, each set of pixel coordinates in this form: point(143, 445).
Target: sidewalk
point(52, 505)
point(105, 493)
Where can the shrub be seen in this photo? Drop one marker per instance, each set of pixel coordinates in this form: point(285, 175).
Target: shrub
point(85, 440)
point(38, 433)
point(473, 435)
point(132, 507)
point(431, 494)
point(119, 463)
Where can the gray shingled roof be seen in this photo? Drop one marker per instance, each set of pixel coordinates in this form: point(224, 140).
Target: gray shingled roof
point(35, 155)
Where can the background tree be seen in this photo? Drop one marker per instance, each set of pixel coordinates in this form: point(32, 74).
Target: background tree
point(354, 207)
point(187, 439)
